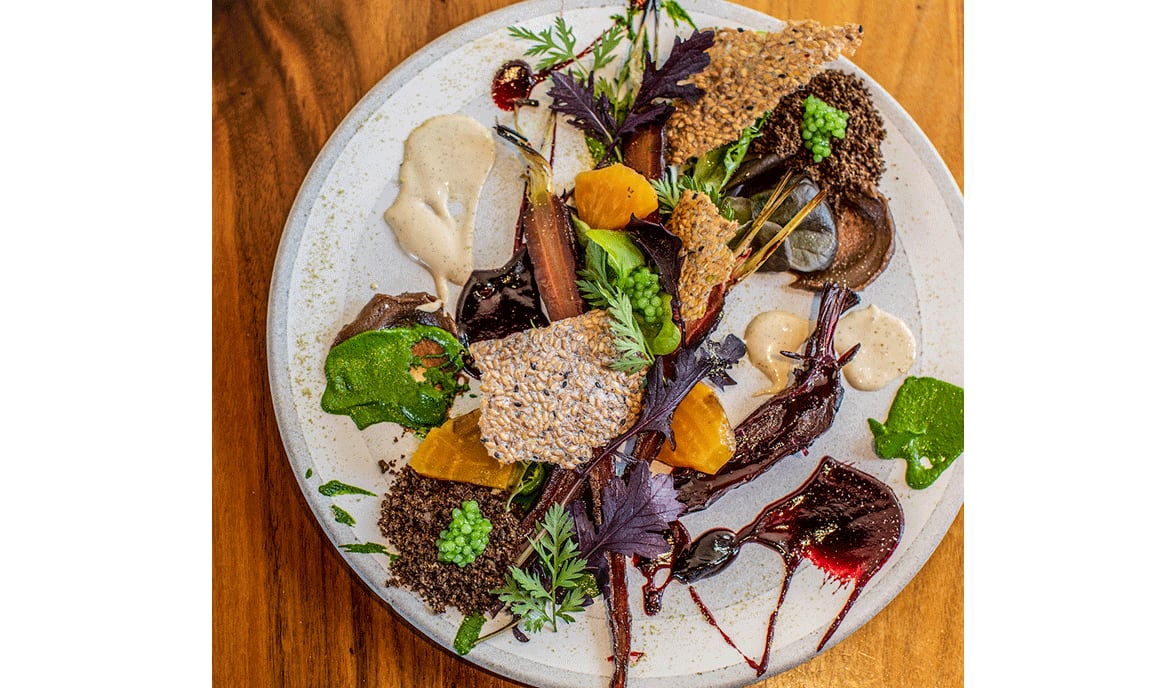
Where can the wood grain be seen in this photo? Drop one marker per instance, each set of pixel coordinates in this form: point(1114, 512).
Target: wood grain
point(287, 611)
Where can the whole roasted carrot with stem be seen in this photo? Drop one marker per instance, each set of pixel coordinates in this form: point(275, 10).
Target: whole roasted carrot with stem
point(548, 234)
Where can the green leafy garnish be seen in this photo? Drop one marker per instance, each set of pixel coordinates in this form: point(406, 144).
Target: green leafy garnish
point(632, 351)
point(342, 516)
point(556, 44)
point(708, 174)
point(556, 591)
point(925, 426)
point(335, 488)
point(615, 277)
point(623, 255)
point(713, 170)
point(527, 491)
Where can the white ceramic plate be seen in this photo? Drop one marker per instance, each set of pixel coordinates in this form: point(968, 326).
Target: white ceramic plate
point(337, 252)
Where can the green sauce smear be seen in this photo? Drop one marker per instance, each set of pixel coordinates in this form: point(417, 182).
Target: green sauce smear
point(342, 516)
point(369, 548)
point(376, 377)
point(335, 488)
point(925, 426)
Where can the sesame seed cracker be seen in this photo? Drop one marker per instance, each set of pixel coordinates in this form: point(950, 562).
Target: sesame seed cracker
point(706, 260)
point(549, 394)
point(749, 72)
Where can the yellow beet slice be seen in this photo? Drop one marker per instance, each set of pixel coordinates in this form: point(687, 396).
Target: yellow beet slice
point(702, 432)
point(454, 451)
point(605, 198)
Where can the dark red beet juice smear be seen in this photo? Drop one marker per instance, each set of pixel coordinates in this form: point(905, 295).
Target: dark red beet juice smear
point(844, 521)
point(496, 303)
point(512, 82)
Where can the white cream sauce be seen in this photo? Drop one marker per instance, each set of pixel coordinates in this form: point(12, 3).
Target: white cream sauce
point(766, 336)
point(446, 161)
point(888, 347)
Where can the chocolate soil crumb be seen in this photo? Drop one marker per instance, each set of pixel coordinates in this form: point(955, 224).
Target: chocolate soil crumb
point(856, 162)
point(415, 511)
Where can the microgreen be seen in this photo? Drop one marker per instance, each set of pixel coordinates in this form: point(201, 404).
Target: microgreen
point(556, 45)
point(667, 384)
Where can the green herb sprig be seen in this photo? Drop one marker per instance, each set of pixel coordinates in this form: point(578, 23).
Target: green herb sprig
point(557, 46)
point(555, 43)
point(632, 350)
point(556, 592)
point(600, 291)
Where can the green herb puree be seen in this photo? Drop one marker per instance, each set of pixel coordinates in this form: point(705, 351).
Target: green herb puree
point(341, 516)
point(334, 488)
point(925, 426)
point(408, 376)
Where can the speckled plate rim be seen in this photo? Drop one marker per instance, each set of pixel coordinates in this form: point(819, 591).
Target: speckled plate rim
point(885, 587)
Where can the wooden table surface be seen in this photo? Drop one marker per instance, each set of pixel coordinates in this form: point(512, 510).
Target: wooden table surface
point(287, 610)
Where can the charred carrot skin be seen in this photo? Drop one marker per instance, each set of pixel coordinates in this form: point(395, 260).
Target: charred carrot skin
point(547, 233)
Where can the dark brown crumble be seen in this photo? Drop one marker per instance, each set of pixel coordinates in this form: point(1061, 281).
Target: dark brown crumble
point(856, 162)
point(415, 511)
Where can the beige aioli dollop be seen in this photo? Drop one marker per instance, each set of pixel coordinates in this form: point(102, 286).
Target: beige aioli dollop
point(888, 347)
point(766, 336)
point(446, 161)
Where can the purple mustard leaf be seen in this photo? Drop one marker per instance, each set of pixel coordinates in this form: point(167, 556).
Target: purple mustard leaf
point(686, 59)
point(651, 115)
point(587, 113)
point(663, 497)
point(635, 512)
point(663, 248)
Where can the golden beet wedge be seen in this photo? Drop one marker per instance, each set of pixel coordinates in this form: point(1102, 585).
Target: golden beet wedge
point(702, 433)
point(454, 451)
point(607, 197)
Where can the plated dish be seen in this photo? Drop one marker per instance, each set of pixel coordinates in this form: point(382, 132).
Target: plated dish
point(340, 249)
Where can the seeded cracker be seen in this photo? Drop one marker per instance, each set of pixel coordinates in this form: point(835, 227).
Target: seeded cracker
point(706, 259)
point(549, 394)
point(748, 74)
